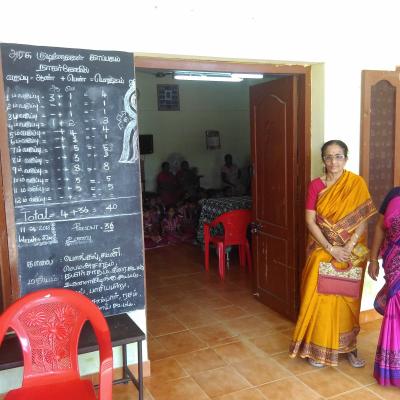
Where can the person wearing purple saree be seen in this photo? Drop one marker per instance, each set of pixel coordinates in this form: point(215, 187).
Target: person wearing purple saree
point(386, 244)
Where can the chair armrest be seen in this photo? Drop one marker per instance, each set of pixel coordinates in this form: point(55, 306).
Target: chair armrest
point(106, 379)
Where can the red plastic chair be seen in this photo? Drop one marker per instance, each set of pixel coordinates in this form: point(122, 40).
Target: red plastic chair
point(235, 225)
point(48, 324)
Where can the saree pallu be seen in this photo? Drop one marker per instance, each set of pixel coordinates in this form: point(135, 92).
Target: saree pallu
point(328, 324)
point(387, 302)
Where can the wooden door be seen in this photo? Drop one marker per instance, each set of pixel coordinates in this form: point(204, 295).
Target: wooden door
point(277, 131)
point(380, 135)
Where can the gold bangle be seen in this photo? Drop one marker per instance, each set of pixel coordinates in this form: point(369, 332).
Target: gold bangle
point(373, 259)
point(329, 248)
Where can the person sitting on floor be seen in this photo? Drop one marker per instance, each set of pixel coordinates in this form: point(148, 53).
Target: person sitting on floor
point(171, 226)
point(189, 218)
point(157, 208)
point(151, 229)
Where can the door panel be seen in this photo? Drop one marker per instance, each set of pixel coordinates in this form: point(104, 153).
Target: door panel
point(277, 260)
point(271, 147)
point(380, 138)
point(274, 116)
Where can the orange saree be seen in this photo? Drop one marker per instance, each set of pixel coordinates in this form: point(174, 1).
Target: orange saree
point(329, 324)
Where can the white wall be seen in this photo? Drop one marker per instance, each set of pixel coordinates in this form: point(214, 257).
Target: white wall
point(317, 118)
point(346, 37)
point(219, 106)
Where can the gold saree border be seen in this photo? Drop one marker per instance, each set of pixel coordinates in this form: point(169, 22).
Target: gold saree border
point(317, 353)
point(339, 233)
point(348, 340)
point(327, 356)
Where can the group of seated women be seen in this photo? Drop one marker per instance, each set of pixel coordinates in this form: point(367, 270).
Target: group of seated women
point(171, 215)
point(170, 224)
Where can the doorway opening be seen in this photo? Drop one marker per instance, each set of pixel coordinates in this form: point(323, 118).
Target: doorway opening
point(270, 248)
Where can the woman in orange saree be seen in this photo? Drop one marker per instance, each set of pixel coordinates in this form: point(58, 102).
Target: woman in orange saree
point(338, 206)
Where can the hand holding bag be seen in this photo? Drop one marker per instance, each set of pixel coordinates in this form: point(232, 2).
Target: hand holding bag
point(343, 282)
point(359, 254)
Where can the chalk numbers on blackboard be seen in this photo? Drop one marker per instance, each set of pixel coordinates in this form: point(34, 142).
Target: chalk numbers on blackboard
point(108, 227)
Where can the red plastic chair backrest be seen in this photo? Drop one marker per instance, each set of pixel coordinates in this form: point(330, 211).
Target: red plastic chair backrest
point(48, 324)
point(235, 225)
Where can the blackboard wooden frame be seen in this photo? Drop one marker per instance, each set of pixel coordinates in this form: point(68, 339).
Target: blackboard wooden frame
point(8, 245)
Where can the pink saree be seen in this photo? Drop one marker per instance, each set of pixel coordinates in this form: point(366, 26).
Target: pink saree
point(387, 302)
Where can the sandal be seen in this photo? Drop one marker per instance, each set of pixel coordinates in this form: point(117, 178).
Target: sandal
point(354, 361)
point(315, 364)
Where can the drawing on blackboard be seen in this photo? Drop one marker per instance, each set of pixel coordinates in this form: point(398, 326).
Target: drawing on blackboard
point(130, 144)
point(123, 119)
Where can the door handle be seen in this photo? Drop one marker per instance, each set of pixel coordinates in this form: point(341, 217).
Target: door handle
point(256, 227)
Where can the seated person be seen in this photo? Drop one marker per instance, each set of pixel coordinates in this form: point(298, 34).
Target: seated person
point(151, 229)
point(230, 175)
point(188, 180)
point(171, 226)
point(188, 211)
point(174, 228)
point(167, 185)
point(157, 206)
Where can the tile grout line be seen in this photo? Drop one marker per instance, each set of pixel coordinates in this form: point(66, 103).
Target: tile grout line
point(228, 295)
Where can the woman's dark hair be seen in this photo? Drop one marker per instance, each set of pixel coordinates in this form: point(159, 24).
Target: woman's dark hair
point(339, 143)
point(164, 164)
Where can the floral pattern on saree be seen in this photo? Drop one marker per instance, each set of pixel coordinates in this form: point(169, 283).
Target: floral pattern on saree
point(387, 302)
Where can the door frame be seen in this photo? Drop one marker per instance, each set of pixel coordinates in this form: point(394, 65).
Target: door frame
point(168, 62)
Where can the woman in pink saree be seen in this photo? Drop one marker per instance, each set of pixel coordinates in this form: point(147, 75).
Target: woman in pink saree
point(386, 243)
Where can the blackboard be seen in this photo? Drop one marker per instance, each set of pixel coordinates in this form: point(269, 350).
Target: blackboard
point(74, 158)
